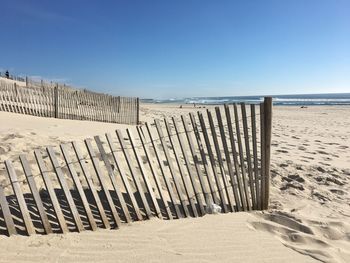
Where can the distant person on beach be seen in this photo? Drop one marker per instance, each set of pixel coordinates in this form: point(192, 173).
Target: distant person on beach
point(7, 74)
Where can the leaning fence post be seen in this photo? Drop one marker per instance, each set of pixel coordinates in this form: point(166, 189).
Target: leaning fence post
point(55, 94)
point(268, 132)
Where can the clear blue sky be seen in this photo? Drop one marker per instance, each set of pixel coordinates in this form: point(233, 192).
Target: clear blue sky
point(181, 48)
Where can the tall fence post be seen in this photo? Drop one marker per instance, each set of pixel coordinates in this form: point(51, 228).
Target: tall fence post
point(56, 101)
point(138, 111)
point(26, 81)
point(267, 139)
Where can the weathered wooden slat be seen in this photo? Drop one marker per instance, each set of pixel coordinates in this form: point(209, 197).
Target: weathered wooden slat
point(36, 196)
point(56, 102)
point(207, 169)
point(241, 156)
point(77, 109)
point(91, 185)
point(18, 99)
point(248, 155)
point(228, 159)
point(9, 100)
point(89, 106)
point(49, 187)
point(40, 101)
point(153, 171)
point(267, 144)
point(67, 103)
point(194, 184)
point(220, 161)
point(262, 152)
point(92, 106)
point(62, 180)
point(165, 177)
point(15, 98)
point(125, 179)
point(182, 174)
point(144, 175)
point(78, 186)
point(10, 225)
point(64, 103)
point(36, 103)
point(20, 198)
point(205, 191)
point(95, 107)
point(50, 95)
point(137, 111)
point(43, 101)
point(235, 158)
point(134, 174)
point(83, 105)
point(170, 164)
point(255, 157)
point(113, 180)
point(114, 109)
point(212, 161)
point(102, 182)
point(2, 100)
point(20, 95)
point(47, 102)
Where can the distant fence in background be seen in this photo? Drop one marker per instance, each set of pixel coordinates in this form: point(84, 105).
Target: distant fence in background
point(13, 77)
point(60, 101)
point(169, 169)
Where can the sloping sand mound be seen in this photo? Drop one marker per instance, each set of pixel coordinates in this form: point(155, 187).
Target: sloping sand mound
point(309, 211)
point(215, 238)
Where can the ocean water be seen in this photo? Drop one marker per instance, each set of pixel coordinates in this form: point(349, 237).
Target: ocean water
point(298, 100)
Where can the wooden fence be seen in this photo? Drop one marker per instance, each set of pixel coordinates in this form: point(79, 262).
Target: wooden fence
point(170, 169)
point(67, 103)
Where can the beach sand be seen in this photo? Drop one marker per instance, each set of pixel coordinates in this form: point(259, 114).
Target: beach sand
point(308, 219)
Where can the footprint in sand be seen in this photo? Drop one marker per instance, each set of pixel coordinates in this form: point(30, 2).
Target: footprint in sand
point(337, 191)
point(332, 143)
point(320, 196)
point(12, 136)
point(300, 168)
point(343, 147)
point(308, 157)
point(292, 184)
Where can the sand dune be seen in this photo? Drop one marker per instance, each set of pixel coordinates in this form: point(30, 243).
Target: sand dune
point(213, 238)
point(308, 220)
